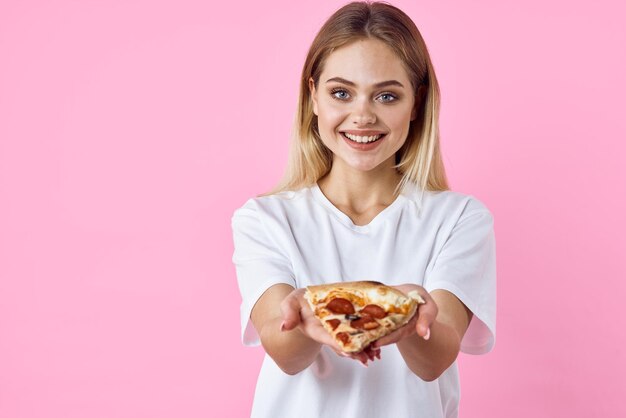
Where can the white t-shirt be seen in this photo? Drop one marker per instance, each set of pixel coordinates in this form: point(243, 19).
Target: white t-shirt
point(300, 238)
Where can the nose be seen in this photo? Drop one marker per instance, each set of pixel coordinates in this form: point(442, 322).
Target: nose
point(363, 113)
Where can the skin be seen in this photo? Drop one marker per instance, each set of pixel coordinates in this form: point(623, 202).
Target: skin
point(349, 97)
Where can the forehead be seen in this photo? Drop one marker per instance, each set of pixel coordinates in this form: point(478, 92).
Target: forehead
point(366, 61)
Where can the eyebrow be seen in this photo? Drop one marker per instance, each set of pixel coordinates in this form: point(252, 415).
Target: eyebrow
point(377, 85)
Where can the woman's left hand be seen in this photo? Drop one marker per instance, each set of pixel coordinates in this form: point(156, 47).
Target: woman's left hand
point(420, 322)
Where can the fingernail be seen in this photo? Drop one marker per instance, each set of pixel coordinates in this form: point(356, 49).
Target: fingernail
point(282, 326)
point(427, 336)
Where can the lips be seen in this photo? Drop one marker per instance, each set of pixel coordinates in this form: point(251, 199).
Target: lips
point(364, 141)
point(363, 137)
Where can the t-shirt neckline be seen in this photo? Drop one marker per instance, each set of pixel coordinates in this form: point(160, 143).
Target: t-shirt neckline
point(345, 219)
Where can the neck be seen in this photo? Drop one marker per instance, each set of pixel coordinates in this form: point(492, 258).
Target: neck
point(347, 187)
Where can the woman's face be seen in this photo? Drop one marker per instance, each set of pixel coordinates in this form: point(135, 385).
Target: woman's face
point(364, 104)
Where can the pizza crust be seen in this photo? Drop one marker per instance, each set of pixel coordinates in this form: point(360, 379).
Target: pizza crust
point(355, 331)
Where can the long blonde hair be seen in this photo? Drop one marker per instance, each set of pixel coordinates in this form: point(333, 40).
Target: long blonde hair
point(419, 160)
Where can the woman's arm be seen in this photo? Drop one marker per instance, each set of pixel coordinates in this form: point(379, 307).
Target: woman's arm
point(291, 334)
point(431, 341)
point(292, 350)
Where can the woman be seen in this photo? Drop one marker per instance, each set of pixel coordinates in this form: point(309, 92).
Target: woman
point(365, 197)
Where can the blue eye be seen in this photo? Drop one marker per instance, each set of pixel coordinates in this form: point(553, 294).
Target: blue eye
point(340, 94)
point(387, 97)
point(343, 95)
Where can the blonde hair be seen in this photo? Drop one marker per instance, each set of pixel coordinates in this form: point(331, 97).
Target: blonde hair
point(419, 160)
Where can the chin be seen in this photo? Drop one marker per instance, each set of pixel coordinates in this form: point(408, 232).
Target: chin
point(364, 166)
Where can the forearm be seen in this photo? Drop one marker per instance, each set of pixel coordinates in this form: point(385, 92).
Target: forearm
point(291, 350)
point(428, 359)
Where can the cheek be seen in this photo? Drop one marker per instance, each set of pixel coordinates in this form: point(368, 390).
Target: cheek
point(331, 116)
point(398, 120)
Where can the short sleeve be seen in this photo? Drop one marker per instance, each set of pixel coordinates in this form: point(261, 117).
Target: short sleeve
point(466, 266)
point(258, 262)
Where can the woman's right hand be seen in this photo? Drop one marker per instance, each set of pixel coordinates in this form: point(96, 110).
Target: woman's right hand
point(296, 313)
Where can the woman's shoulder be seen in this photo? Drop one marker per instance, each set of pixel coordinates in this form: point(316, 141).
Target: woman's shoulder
point(275, 202)
point(445, 201)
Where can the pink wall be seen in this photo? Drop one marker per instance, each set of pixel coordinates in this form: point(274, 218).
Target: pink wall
point(131, 130)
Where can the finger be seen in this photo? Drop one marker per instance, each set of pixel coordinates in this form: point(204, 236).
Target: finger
point(340, 353)
point(290, 309)
point(426, 316)
point(398, 334)
point(355, 356)
point(363, 360)
point(386, 340)
point(360, 356)
point(372, 352)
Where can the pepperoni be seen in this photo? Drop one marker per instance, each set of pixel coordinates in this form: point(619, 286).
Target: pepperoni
point(334, 323)
point(373, 311)
point(364, 323)
point(371, 325)
point(358, 323)
point(343, 337)
point(340, 306)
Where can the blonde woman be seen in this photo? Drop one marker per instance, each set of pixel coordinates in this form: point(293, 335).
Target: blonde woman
point(365, 197)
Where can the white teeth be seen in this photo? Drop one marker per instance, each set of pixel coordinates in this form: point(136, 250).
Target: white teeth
point(362, 139)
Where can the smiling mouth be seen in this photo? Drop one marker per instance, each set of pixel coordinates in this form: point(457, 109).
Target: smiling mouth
point(362, 139)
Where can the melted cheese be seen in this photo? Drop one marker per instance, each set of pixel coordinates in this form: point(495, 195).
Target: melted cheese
point(398, 306)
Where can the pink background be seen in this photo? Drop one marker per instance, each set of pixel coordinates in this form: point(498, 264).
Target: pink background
point(131, 130)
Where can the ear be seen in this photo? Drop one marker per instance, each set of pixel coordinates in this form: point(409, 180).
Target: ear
point(419, 100)
point(313, 92)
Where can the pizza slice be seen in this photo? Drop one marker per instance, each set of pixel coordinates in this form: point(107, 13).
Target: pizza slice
point(358, 313)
